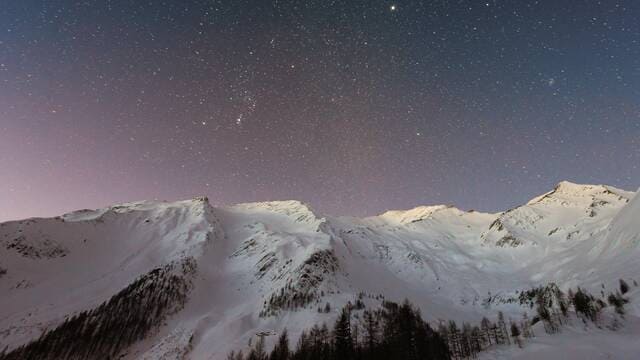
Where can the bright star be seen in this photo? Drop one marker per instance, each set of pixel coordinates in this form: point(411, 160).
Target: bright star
point(393, 7)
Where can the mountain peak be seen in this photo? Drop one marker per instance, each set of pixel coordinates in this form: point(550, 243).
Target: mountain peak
point(144, 205)
point(413, 215)
point(287, 206)
point(570, 187)
point(568, 190)
point(294, 209)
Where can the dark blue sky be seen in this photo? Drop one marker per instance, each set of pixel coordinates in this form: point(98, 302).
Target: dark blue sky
point(352, 106)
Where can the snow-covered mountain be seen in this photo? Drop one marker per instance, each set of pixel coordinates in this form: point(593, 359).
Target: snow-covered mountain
point(226, 274)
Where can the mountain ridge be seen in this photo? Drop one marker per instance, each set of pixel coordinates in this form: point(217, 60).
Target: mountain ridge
point(264, 266)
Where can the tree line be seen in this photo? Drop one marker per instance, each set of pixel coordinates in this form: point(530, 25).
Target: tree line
point(128, 316)
point(397, 331)
point(552, 306)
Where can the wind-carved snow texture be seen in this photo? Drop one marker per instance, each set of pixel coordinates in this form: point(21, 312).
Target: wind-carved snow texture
point(254, 269)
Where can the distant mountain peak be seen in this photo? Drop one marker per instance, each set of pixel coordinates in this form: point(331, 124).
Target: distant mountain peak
point(415, 214)
point(571, 187)
point(567, 190)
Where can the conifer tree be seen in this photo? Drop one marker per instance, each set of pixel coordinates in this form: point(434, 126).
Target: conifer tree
point(485, 327)
point(583, 303)
point(515, 334)
point(618, 302)
point(476, 341)
point(343, 342)
point(281, 349)
point(624, 287)
point(503, 328)
point(258, 352)
point(454, 340)
point(544, 314)
point(371, 330)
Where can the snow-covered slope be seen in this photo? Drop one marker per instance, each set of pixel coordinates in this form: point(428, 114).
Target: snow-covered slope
point(260, 267)
point(569, 213)
point(57, 267)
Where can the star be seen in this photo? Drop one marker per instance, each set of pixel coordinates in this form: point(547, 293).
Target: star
point(300, 93)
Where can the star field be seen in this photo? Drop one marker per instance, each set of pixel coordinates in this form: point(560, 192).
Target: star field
point(352, 106)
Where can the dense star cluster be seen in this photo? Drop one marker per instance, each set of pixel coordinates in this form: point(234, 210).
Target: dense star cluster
point(352, 106)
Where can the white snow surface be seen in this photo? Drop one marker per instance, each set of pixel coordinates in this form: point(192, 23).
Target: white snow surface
point(445, 260)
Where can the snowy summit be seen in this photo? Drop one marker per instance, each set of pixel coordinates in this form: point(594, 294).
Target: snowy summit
point(209, 280)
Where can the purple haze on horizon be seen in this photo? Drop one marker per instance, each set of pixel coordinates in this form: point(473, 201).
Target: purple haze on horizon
point(350, 106)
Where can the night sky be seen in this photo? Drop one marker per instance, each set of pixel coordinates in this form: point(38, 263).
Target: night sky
point(352, 106)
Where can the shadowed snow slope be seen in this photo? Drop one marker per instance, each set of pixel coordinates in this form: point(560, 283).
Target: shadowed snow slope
point(261, 267)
